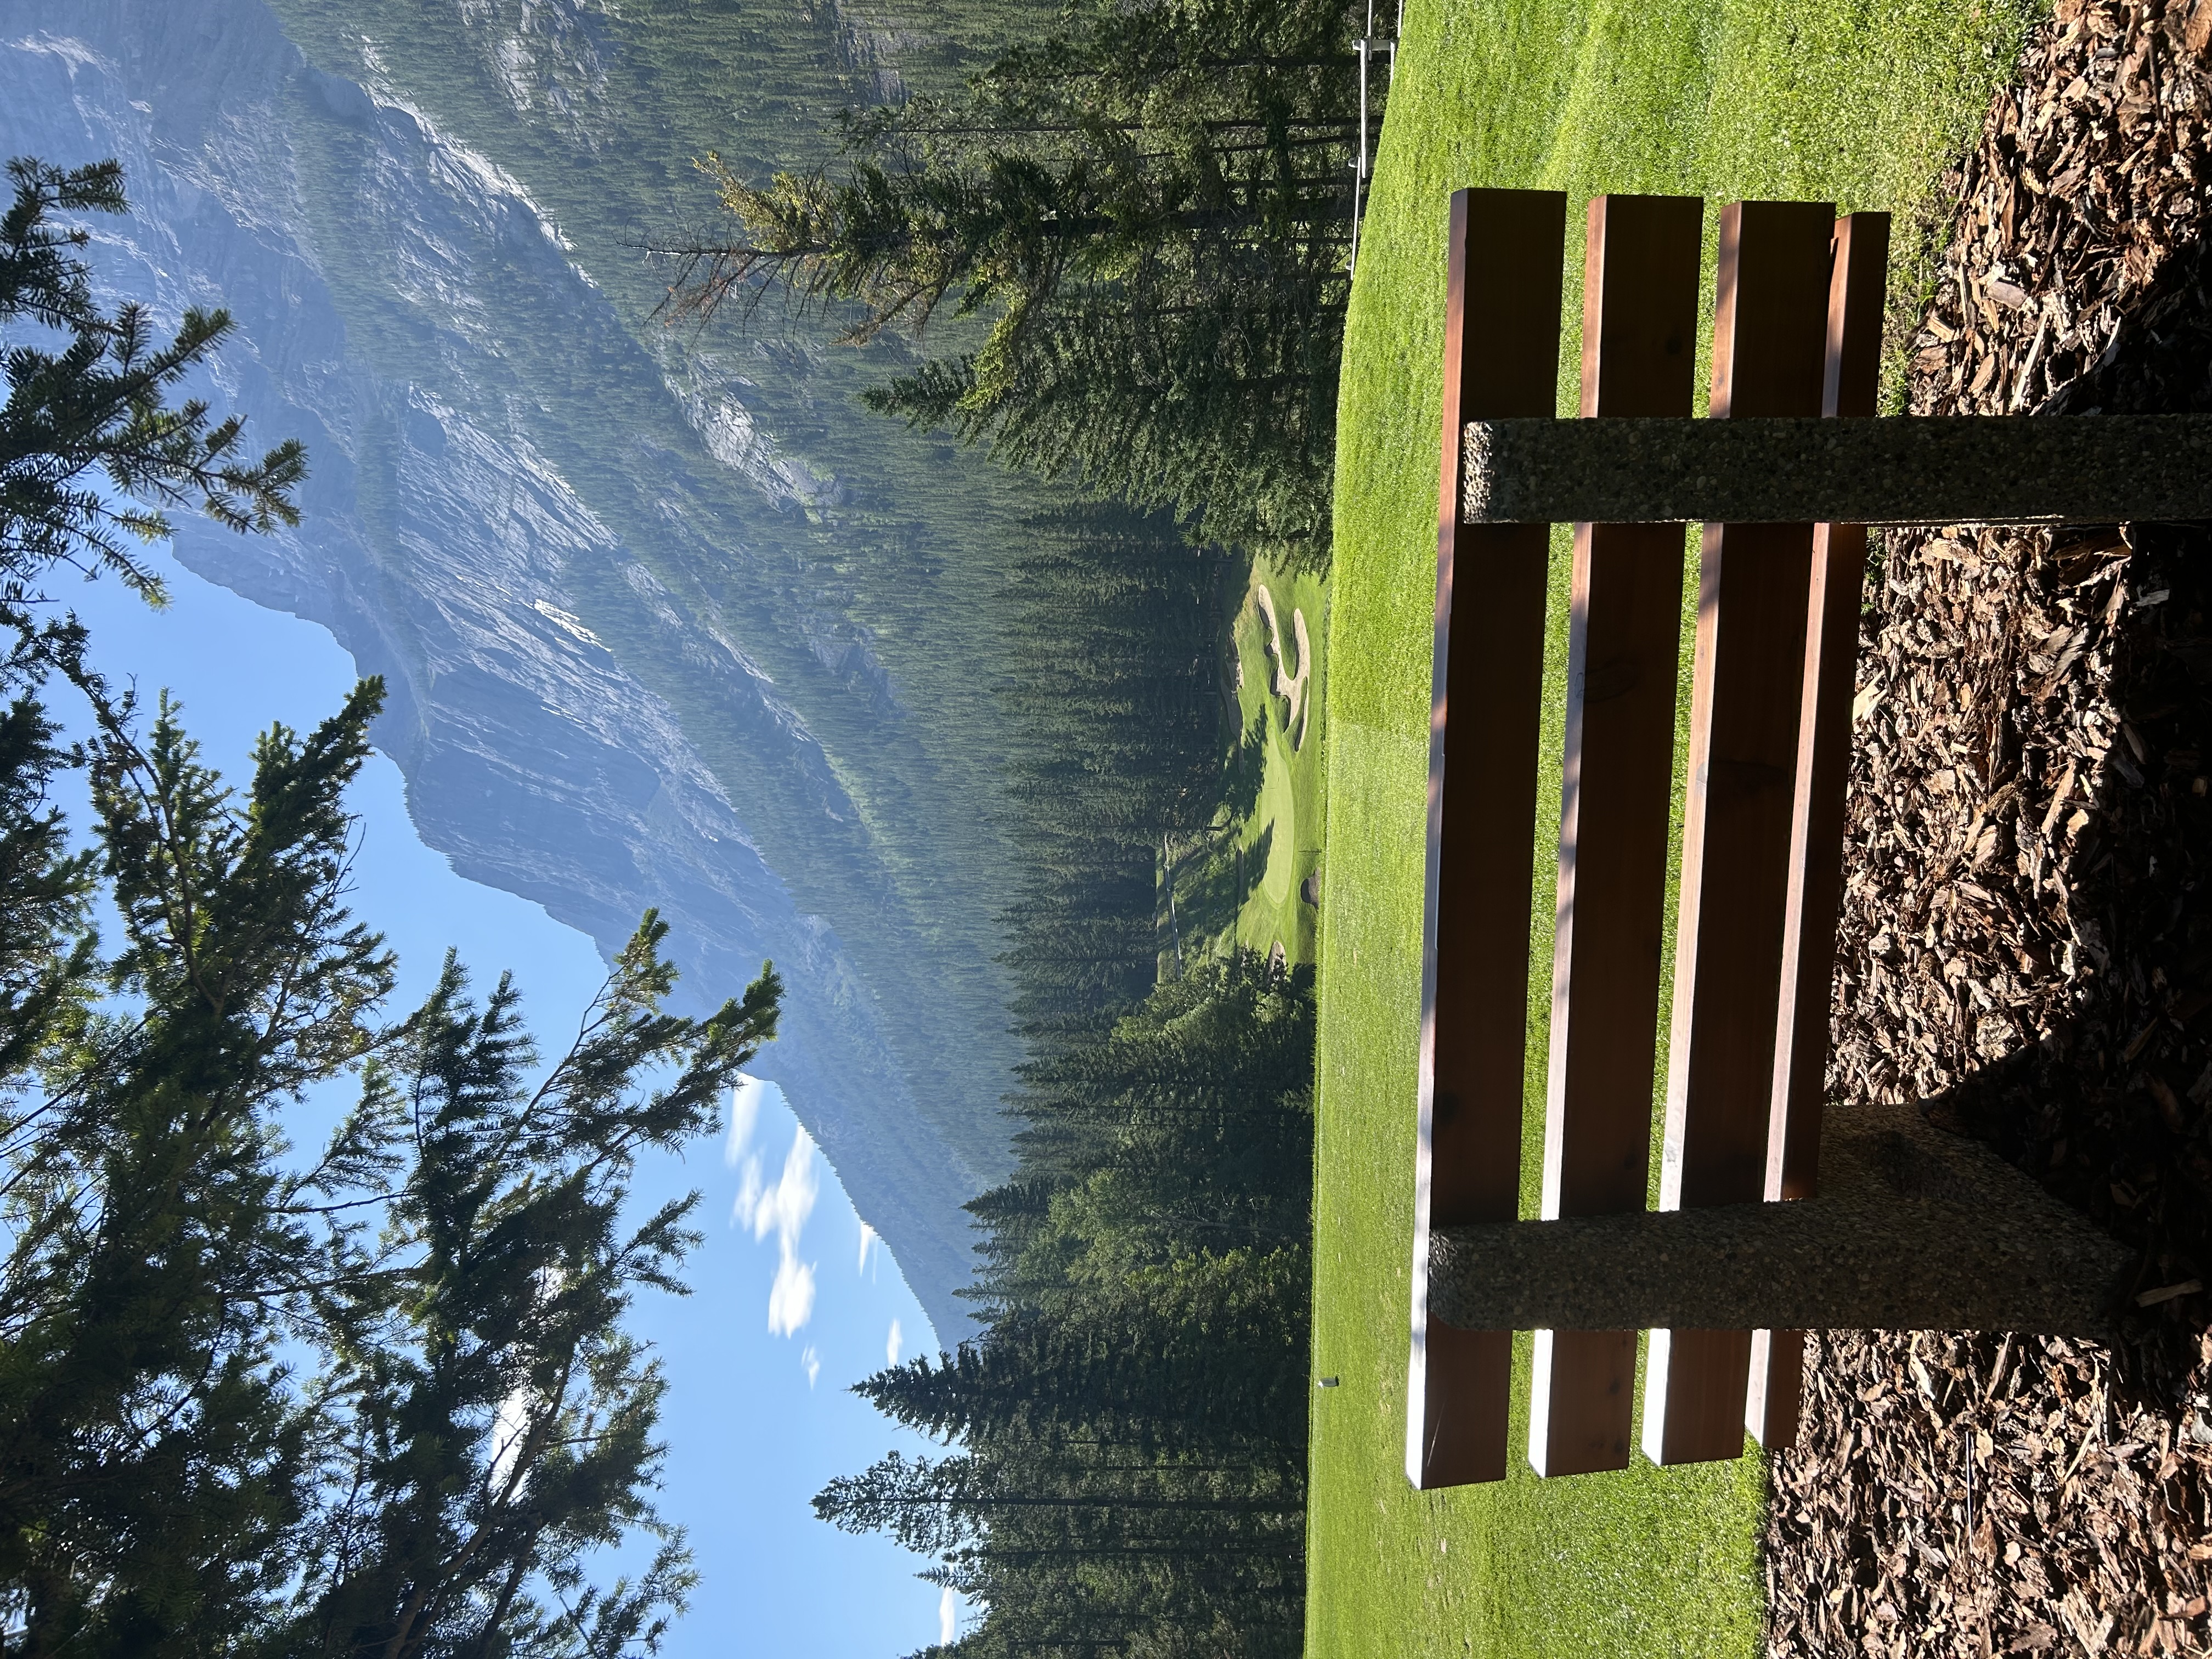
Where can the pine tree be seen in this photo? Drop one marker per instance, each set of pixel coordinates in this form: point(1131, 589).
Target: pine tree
point(1152, 208)
point(461, 1422)
point(91, 451)
point(492, 1419)
point(152, 1458)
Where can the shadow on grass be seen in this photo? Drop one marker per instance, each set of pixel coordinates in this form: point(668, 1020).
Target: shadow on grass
point(1248, 769)
point(1212, 883)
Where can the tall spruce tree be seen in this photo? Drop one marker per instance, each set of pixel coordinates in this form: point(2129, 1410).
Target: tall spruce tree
point(490, 1418)
point(149, 1456)
point(91, 448)
point(152, 1458)
point(1151, 205)
point(379, 1401)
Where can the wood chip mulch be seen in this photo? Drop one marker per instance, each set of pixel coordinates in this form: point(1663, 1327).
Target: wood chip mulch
point(2027, 943)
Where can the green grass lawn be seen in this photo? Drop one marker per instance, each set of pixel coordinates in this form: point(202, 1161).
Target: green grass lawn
point(1861, 102)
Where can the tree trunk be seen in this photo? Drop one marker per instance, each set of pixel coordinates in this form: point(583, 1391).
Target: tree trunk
point(1914, 1229)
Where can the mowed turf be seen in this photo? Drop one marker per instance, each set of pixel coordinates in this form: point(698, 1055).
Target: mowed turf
point(1281, 838)
point(1860, 103)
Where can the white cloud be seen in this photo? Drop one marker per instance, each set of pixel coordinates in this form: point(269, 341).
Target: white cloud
point(867, 1238)
point(791, 1298)
point(783, 1209)
point(893, 1345)
point(749, 1194)
point(948, 1617)
point(512, 1423)
point(745, 1111)
point(811, 1362)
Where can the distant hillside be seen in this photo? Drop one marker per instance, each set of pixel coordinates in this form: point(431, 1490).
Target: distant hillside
point(668, 620)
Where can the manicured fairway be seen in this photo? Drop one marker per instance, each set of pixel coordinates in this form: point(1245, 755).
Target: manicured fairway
point(1861, 102)
point(1243, 881)
point(1281, 838)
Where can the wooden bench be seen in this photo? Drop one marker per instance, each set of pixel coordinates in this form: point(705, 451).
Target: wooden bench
point(1795, 359)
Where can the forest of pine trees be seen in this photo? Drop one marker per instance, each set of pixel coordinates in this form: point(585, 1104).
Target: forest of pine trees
point(1123, 1468)
point(1150, 205)
point(1150, 210)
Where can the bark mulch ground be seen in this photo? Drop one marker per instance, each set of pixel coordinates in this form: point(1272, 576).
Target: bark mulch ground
point(2027, 943)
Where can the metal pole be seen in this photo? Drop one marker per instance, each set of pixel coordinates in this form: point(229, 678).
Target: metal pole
point(1359, 166)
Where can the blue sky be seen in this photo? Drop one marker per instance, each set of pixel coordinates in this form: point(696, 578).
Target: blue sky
point(793, 1300)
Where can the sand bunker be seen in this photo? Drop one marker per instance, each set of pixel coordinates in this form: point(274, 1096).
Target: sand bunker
point(1289, 685)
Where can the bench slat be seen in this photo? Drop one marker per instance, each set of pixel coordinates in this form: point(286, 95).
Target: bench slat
point(1816, 830)
point(1639, 341)
point(1769, 354)
point(1481, 821)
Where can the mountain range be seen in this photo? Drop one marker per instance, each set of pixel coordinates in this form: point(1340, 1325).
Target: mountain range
point(666, 619)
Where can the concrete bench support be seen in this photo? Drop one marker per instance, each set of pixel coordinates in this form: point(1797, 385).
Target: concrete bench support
point(1965, 469)
point(1914, 1229)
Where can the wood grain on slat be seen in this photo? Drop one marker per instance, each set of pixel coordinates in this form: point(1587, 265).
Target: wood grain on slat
point(1855, 284)
point(1769, 357)
point(1501, 360)
point(1639, 334)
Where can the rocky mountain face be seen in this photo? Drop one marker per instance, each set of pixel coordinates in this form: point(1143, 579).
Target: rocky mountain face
point(653, 635)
